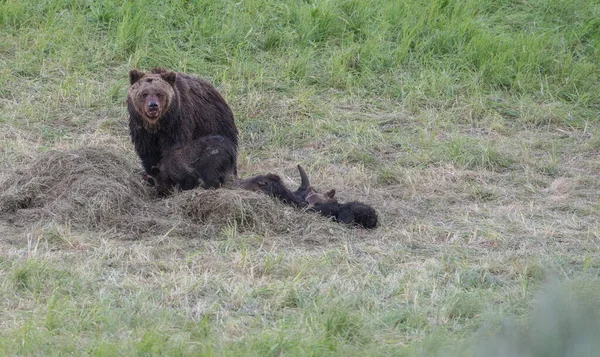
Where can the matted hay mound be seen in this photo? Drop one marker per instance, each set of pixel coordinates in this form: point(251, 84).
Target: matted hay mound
point(100, 188)
point(87, 185)
point(248, 211)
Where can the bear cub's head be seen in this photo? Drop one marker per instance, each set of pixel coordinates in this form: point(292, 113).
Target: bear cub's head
point(313, 197)
point(151, 93)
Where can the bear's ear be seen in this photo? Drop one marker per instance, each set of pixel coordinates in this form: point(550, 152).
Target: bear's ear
point(154, 171)
point(135, 75)
point(330, 194)
point(170, 77)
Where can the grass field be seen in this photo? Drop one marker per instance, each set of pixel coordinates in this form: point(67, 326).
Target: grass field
point(471, 126)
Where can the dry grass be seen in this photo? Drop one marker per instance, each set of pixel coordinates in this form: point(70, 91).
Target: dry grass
point(454, 242)
point(100, 188)
point(471, 127)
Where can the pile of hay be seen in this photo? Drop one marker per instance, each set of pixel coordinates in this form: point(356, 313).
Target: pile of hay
point(100, 189)
point(88, 185)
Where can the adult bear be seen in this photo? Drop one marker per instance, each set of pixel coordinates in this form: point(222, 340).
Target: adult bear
point(169, 108)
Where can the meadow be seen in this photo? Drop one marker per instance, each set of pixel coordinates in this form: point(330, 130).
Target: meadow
point(470, 126)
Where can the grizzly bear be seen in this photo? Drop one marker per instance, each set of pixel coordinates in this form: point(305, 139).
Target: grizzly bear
point(210, 159)
point(169, 108)
point(325, 204)
point(355, 213)
point(313, 197)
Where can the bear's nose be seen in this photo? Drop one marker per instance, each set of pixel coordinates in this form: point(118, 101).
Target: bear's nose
point(153, 106)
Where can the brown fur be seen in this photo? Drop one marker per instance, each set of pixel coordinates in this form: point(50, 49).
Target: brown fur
point(301, 192)
point(210, 159)
point(355, 213)
point(168, 108)
point(271, 185)
point(313, 197)
point(325, 204)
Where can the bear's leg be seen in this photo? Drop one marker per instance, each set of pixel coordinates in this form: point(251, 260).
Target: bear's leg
point(188, 183)
point(211, 182)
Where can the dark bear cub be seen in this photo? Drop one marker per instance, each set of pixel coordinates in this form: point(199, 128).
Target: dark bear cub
point(208, 161)
point(313, 197)
point(354, 212)
point(168, 108)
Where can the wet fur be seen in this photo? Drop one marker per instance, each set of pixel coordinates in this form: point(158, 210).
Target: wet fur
point(313, 197)
point(271, 185)
point(194, 108)
point(325, 204)
point(302, 191)
point(350, 213)
point(354, 212)
point(209, 158)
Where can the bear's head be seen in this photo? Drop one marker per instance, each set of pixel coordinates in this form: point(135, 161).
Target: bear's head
point(313, 197)
point(152, 94)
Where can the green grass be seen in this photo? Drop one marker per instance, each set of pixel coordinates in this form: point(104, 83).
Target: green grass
point(471, 126)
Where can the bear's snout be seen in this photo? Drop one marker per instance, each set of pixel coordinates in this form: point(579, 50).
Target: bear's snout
point(153, 109)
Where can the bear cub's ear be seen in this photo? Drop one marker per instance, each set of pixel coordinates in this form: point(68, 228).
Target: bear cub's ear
point(135, 75)
point(330, 194)
point(170, 77)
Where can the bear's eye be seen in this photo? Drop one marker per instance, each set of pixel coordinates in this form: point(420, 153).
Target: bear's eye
point(144, 94)
point(159, 95)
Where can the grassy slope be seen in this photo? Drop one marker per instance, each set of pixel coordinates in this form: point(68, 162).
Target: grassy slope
point(470, 125)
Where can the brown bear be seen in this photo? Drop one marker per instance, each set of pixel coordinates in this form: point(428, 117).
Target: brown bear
point(170, 108)
point(313, 197)
point(210, 159)
point(356, 213)
point(325, 204)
